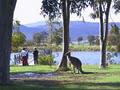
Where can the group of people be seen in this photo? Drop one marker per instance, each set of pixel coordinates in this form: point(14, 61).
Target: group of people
point(23, 57)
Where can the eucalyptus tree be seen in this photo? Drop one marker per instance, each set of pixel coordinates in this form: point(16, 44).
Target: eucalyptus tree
point(6, 17)
point(52, 9)
point(56, 8)
point(102, 9)
point(52, 26)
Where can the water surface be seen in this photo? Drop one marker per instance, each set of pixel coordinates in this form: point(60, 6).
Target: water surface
point(90, 57)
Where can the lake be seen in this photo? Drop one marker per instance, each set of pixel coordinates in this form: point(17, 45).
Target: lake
point(91, 58)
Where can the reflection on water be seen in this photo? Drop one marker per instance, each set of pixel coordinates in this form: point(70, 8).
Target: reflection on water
point(86, 57)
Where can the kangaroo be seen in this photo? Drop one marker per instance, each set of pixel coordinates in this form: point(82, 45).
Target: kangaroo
point(75, 62)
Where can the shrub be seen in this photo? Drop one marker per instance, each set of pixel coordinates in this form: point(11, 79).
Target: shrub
point(46, 60)
point(111, 48)
point(14, 49)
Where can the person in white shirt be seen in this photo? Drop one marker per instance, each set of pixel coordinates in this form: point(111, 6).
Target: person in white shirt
point(24, 55)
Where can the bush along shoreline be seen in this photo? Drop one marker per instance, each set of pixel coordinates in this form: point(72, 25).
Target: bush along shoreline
point(55, 48)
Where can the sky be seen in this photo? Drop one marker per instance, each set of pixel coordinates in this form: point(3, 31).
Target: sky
point(28, 11)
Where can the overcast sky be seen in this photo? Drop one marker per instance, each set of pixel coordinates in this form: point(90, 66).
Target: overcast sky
point(28, 11)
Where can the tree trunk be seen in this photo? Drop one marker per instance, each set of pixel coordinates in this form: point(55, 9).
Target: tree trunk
point(66, 16)
point(104, 33)
point(103, 54)
point(101, 31)
point(6, 17)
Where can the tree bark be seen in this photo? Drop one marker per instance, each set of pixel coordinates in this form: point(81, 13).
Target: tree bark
point(104, 32)
point(103, 54)
point(101, 31)
point(66, 16)
point(6, 18)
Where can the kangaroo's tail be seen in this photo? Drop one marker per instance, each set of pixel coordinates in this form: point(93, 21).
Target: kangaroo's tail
point(81, 70)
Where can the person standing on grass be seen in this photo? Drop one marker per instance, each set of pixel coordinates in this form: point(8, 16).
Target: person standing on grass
point(27, 55)
point(35, 56)
point(24, 58)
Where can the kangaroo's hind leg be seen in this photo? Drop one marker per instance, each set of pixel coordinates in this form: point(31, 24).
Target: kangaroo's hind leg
point(74, 69)
point(78, 70)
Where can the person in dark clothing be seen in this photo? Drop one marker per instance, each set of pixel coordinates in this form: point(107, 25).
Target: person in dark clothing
point(35, 56)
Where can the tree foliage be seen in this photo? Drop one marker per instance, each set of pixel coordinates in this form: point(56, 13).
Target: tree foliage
point(118, 46)
point(53, 26)
point(53, 8)
point(113, 37)
point(18, 38)
point(97, 40)
point(91, 39)
point(39, 38)
point(57, 36)
point(116, 6)
point(80, 38)
point(115, 29)
point(50, 8)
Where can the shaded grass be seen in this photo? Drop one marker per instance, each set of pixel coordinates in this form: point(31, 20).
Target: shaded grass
point(101, 79)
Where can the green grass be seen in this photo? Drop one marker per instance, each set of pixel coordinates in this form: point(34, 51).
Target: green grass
point(32, 68)
point(83, 47)
point(101, 79)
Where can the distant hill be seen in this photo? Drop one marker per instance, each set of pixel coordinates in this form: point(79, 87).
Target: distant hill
point(77, 28)
point(29, 31)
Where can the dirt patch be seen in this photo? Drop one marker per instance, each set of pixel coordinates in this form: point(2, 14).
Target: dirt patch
point(32, 75)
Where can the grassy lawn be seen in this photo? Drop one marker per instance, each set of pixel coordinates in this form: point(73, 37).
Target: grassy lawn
point(32, 68)
point(101, 79)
